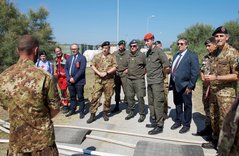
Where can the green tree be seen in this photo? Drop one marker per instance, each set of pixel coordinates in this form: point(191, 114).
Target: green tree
point(39, 28)
point(13, 23)
point(196, 35)
point(233, 29)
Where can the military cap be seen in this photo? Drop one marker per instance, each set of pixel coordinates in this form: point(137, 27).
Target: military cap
point(122, 42)
point(220, 29)
point(157, 42)
point(210, 40)
point(148, 36)
point(133, 42)
point(106, 43)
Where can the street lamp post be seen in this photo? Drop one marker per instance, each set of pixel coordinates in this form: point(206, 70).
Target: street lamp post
point(147, 26)
point(118, 14)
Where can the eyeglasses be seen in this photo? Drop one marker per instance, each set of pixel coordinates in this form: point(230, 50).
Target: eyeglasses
point(219, 35)
point(74, 49)
point(133, 46)
point(180, 44)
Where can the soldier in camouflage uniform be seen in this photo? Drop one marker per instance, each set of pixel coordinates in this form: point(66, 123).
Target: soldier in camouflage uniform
point(223, 82)
point(211, 46)
point(120, 75)
point(228, 144)
point(166, 78)
point(30, 96)
point(136, 81)
point(156, 63)
point(104, 65)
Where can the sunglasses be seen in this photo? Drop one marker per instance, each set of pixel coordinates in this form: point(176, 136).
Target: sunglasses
point(133, 46)
point(180, 44)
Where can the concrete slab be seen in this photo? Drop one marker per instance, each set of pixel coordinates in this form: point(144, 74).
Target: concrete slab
point(118, 123)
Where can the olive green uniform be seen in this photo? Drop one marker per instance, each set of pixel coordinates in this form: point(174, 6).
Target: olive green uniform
point(222, 93)
point(136, 81)
point(29, 94)
point(120, 77)
point(102, 85)
point(156, 60)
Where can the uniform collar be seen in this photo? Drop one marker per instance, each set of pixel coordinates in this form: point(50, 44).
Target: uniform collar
point(27, 61)
point(135, 54)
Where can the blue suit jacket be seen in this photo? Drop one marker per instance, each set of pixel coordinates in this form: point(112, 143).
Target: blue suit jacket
point(78, 69)
point(187, 72)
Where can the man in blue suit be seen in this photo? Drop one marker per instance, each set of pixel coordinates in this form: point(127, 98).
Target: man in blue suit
point(75, 73)
point(184, 74)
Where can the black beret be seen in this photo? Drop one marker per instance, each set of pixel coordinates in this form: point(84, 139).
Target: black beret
point(210, 40)
point(133, 42)
point(220, 29)
point(106, 43)
point(157, 42)
point(122, 42)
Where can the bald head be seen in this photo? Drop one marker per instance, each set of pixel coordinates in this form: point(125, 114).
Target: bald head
point(27, 43)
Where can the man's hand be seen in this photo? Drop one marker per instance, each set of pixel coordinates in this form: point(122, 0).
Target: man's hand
point(188, 90)
point(210, 77)
point(102, 74)
point(125, 71)
point(72, 80)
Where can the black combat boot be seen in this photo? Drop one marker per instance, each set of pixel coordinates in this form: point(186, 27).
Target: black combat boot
point(130, 115)
point(64, 109)
point(211, 144)
point(156, 130)
point(92, 118)
point(70, 113)
point(141, 118)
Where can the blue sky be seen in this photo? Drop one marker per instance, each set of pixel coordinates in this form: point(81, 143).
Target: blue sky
point(94, 21)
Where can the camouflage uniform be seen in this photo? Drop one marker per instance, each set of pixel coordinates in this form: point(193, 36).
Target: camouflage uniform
point(136, 81)
point(120, 77)
point(222, 93)
point(29, 94)
point(229, 136)
point(103, 85)
point(166, 79)
point(205, 69)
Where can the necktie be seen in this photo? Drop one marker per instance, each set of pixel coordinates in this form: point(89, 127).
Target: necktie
point(176, 64)
point(72, 62)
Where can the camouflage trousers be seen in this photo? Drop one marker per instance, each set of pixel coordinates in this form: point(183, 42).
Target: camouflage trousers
point(48, 151)
point(102, 86)
point(228, 142)
point(220, 102)
point(206, 106)
point(166, 95)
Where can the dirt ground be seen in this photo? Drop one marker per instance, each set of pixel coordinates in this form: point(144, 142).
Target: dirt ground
point(61, 119)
